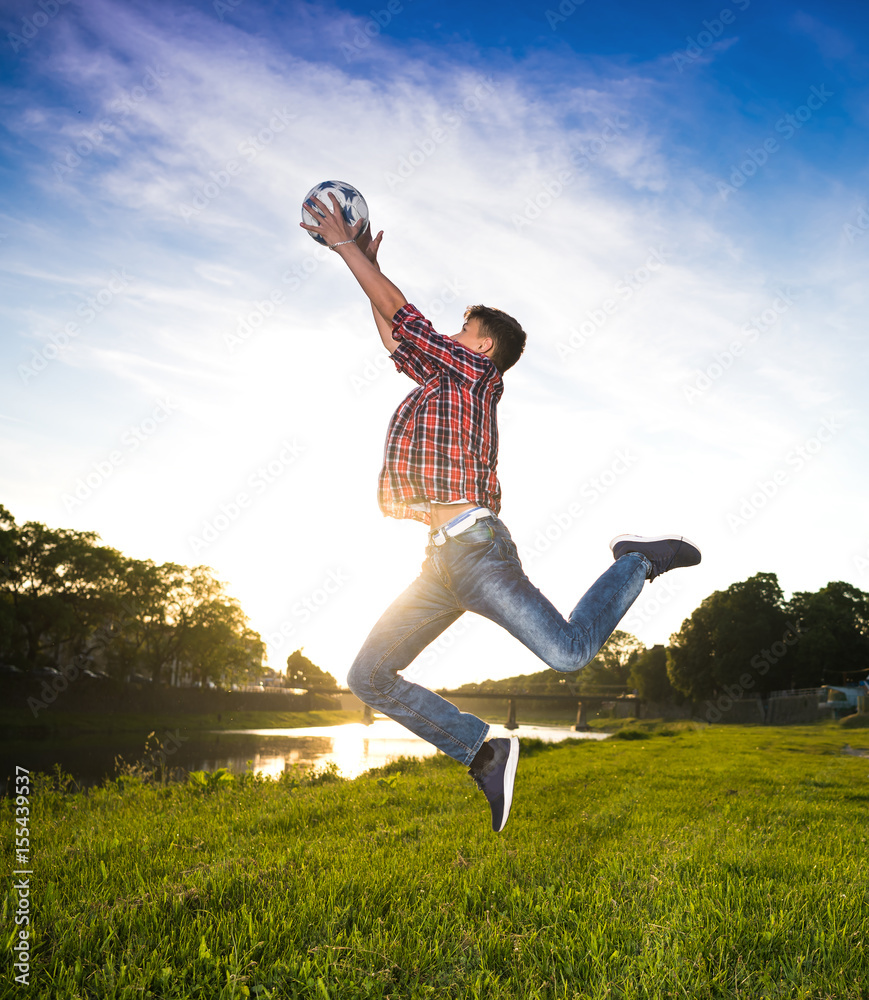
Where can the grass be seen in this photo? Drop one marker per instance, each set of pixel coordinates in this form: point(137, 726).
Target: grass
point(860, 721)
point(713, 863)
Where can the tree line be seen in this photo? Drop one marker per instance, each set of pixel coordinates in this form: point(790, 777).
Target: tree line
point(747, 638)
point(66, 599)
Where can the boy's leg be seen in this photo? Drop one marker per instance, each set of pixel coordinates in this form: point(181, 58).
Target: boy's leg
point(485, 570)
point(411, 622)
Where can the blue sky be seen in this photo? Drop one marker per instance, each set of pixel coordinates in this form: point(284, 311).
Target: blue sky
point(673, 201)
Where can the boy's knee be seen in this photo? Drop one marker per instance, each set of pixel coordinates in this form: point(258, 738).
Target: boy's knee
point(564, 666)
point(567, 662)
point(355, 680)
point(359, 679)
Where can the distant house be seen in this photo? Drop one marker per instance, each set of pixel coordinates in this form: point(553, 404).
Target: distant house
point(842, 699)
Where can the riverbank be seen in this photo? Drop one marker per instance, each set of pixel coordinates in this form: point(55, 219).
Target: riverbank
point(20, 726)
point(719, 862)
point(56, 724)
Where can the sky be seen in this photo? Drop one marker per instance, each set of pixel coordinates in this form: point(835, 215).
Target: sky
point(672, 200)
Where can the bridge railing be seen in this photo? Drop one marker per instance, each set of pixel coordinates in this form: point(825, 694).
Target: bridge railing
point(583, 700)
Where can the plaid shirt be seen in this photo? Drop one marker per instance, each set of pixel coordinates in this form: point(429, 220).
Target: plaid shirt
point(442, 442)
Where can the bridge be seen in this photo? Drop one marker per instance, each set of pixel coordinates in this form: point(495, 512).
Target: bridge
point(582, 700)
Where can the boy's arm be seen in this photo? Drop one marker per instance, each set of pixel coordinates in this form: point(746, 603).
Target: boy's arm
point(386, 299)
point(384, 328)
point(370, 247)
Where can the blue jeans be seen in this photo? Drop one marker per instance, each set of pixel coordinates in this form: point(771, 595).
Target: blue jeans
point(479, 570)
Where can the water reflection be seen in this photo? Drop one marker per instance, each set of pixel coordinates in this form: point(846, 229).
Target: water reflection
point(355, 748)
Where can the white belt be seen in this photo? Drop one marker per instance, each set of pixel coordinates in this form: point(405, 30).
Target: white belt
point(460, 524)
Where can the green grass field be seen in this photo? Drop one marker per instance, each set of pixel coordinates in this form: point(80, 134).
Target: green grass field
point(715, 862)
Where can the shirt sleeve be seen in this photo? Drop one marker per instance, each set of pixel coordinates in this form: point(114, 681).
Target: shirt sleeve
point(421, 351)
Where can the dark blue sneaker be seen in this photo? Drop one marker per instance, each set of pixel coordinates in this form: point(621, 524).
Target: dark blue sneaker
point(664, 552)
point(496, 777)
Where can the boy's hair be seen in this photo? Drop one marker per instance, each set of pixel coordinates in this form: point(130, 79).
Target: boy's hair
point(508, 335)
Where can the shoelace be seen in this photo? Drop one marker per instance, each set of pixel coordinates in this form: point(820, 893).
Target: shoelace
point(660, 567)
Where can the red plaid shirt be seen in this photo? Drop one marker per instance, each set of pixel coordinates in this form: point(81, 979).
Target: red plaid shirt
point(442, 442)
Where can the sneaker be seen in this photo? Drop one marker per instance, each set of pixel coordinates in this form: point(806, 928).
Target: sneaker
point(496, 777)
point(664, 552)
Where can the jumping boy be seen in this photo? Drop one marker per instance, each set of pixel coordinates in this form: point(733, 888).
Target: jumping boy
point(440, 468)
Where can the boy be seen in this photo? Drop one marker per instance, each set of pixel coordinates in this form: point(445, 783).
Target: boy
point(440, 468)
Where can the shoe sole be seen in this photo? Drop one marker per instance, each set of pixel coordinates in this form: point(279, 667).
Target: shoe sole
point(652, 538)
point(509, 780)
point(684, 543)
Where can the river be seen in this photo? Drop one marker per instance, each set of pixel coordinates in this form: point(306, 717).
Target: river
point(356, 748)
point(353, 748)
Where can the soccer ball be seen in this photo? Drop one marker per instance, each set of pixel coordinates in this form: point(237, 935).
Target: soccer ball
point(351, 201)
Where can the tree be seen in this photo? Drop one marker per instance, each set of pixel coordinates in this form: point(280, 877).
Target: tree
point(66, 598)
point(649, 676)
point(180, 617)
point(723, 643)
point(218, 645)
point(55, 581)
point(244, 656)
point(302, 673)
point(609, 669)
point(8, 621)
point(833, 630)
point(612, 665)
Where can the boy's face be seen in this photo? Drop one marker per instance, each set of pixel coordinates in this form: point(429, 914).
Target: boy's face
point(474, 339)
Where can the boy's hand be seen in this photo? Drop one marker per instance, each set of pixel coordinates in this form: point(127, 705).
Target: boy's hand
point(370, 246)
point(360, 255)
point(331, 225)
